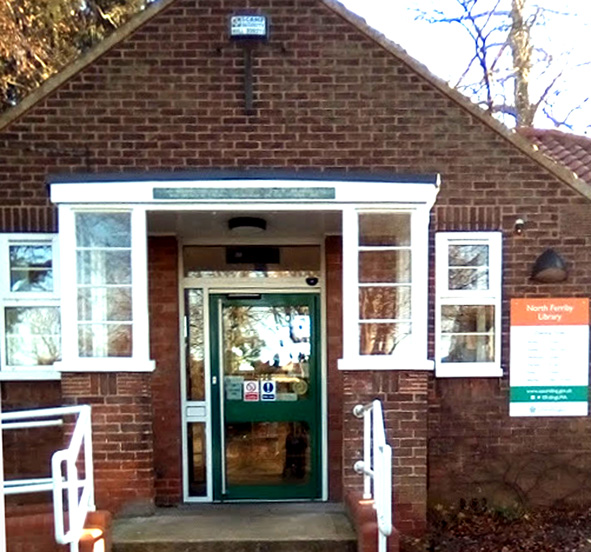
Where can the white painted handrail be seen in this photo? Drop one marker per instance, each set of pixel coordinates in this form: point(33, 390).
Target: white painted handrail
point(376, 467)
point(79, 492)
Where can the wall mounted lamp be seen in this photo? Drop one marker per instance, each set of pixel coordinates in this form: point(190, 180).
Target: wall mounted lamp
point(519, 227)
point(549, 267)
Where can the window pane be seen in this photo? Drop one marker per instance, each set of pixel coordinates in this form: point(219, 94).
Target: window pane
point(468, 279)
point(468, 255)
point(31, 268)
point(197, 459)
point(384, 266)
point(384, 229)
point(104, 340)
point(104, 267)
point(467, 348)
point(104, 304)
point(384, 303)
point(467, 333)
point(381, 339)
point(467, 318)
point(103, 229)
point(32, 336)
point(195, 351)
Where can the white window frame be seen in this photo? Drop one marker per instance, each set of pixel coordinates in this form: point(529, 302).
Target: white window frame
point(139, 361)
point(10, 298)
point(445, 296)
point(413, 354)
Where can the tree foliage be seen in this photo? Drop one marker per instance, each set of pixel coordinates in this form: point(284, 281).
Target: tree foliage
point(513, 71)
point(40, 37)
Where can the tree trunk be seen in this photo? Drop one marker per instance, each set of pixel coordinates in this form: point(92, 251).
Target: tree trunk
point(521, 51)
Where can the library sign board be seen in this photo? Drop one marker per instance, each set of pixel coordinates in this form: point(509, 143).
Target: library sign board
point(549, 373)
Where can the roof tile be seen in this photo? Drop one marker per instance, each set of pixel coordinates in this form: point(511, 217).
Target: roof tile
point(573, 151)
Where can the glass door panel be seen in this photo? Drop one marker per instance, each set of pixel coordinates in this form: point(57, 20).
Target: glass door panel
point(268, 401)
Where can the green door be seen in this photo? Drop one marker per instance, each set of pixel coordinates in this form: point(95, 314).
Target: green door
point(266, 396)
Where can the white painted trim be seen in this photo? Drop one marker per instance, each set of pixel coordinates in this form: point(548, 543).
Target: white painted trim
point(140, 359)
point(412, 353)
point(30, 375)
point(106, 364)
point(143, 191)
point(10, 298)
point(236, 285)
point(492, 296)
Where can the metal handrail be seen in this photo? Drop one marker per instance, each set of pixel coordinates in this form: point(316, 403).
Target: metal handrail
point(79, 492)
point(376, 467)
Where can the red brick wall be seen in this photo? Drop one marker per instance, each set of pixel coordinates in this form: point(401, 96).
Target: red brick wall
point(334, 343)
point(164, 349)
point(121, 435)
point(17, 444)
point(170, 98)
point(404, 402)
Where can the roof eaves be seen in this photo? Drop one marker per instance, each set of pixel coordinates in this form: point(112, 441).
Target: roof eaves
point(82, 62)
point(522, 144)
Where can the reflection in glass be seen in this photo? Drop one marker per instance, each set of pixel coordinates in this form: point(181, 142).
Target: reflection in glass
point(384, 229)
point(197, 459)
point(382, 338)
point(114, 304)
point(195, 349)
point(468, 267)
point(267, 453)
point(31, 268)
point(467, 333)
point(104, 266)
point(390, 303)
point(468, 255)
point(32, 336)
point(104, 340)
point(102, 229)
point(104, 297)
point(386, 266)
point(267, 342)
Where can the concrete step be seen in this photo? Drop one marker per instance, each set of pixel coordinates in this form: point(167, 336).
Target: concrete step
point(238, 528)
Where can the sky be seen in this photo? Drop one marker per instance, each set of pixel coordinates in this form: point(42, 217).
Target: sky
point(446, 49)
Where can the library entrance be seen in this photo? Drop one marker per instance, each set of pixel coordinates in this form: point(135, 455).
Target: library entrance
point(265, 396)
point(253, 373)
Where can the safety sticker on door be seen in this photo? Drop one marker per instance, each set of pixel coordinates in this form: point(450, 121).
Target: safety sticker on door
point(251, 391)
point(268, 391)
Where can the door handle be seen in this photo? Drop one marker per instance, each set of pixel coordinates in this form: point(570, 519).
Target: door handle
point(214, 380)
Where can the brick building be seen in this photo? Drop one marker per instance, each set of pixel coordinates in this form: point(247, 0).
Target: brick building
point(224, 276)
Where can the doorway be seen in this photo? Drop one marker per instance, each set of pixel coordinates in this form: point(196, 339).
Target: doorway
point(266, 407)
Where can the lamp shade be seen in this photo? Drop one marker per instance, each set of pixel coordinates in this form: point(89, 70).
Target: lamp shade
point(549, 268)
point(246, 226)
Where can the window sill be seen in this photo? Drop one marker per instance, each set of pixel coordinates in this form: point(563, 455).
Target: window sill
point(469, 370)
point(384, 363)
point(106, 365)
point(30, 375)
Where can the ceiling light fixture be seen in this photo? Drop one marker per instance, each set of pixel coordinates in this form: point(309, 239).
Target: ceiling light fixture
point(247, 226)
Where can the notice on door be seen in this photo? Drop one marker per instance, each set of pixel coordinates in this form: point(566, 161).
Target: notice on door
point(549, 372)
point(268, 391)
point(251, 391)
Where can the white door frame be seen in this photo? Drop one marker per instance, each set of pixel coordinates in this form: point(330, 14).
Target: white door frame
point(200, 411)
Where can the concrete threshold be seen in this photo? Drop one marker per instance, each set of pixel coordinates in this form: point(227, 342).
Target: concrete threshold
point(269, 522)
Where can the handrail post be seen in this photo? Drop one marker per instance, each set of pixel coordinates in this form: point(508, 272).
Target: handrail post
point(367, 453)
point(79, 493)
point(376, 466)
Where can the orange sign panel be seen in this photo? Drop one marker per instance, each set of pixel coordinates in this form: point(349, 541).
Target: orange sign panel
point(550, 312)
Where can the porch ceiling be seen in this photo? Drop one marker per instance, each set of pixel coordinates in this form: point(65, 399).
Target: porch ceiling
point(213, 225)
